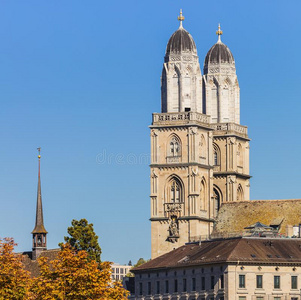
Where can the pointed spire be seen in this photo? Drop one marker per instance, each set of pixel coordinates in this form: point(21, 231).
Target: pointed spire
point(181, 18)
point(219, 32)
point(39, 226)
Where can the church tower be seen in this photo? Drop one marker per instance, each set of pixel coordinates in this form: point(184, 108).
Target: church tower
point(39, 242)
point(181, 155)
point(230, 139)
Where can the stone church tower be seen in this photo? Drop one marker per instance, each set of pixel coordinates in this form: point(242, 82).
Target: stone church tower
point(199, 152)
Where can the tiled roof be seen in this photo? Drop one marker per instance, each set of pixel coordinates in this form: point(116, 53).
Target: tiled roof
point(32, 265)
point(235, 216)
point(242, 249)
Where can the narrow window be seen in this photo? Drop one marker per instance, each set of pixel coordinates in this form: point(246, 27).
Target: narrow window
point(203, 283)
point(193, 284)
point(140, 288)
point(242, 298)
point(215, 158)
point(149, 288)
point(222, 281)
point(212, 282)
point(176, 285)
point(294, 282)
point(276, 282)
point(158, 287)
point(184, 285)
point(259, 281)
point(259, 298)
point(242, 281)
point(166, 286)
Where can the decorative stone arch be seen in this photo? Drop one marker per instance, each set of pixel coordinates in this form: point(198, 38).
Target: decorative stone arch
point(217, 200)
point(240, 193)
point(174, 146)
point(227, 82)
point(216, 155)
point(174, 189)
point(204, 194)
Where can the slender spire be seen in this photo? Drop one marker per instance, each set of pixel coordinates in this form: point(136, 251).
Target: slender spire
point(181, 18)
point(39, 226)
point(219, 32)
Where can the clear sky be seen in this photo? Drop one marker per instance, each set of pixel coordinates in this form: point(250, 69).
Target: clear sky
point(80, 79)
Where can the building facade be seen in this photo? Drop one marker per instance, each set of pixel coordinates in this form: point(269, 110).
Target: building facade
point(199, 150)
point(226, 269)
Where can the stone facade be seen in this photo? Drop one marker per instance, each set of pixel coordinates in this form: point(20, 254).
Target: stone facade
point(199, 151)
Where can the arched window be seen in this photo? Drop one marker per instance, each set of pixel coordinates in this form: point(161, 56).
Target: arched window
point(203, 147)
point(240, 193)
point(216, 155)
point(239, 155)
point(174, 147)
point(216, 201)
point(174, 191)
point(203, 195)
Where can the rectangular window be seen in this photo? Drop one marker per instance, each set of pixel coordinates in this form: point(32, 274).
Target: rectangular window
point(121, 271)
point(158, 287)
point(277, 298)
point(242, 298)
point(259, 281)
point(166, 286)
point(184, 285)
point(222, 282)
point(149, 288)
point(212, 282)
point(117, 277)
point(242, 281)
point(203, 283)
point(259, 298)
point(176, 285)
point(193, 287)
point(117, 270)
point(140, 288)
point(276, 282)
point(294, 282)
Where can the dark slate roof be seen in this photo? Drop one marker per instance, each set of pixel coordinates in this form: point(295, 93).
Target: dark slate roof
point(219, 53)
point(32, 265)
point(180, 41)
point(232, 250)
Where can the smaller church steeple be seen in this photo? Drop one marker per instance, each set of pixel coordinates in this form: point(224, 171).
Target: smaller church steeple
point(39, 233)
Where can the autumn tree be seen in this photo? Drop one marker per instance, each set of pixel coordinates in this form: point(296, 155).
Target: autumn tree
point(83, 237)
point(74, 276)
point(14, 279)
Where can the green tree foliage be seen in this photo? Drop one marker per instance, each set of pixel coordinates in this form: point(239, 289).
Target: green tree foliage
point(140, 261)
point(83, 237)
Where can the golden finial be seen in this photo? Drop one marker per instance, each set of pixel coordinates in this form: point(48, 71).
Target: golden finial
point(181, 18)
point(219, 32)
point(39, 150)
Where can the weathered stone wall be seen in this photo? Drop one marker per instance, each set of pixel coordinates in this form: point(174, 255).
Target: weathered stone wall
point(235, 216)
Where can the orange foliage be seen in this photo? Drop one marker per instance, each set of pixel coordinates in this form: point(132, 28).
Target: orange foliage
point(73, 276)
point(14, 280)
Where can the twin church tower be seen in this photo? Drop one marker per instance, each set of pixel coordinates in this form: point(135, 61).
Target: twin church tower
point(199, 151)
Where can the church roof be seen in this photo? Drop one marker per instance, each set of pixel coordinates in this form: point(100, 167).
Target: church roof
point(181, 41)
point(219, 53)
point(235, 216)
point(244, 250)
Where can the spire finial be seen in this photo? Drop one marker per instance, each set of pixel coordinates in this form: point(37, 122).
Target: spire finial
point(181, 18)
point(39, 157)
point(219, 32)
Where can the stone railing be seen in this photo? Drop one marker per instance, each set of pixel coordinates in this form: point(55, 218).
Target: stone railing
point(173, 159)
point(180, 118)
point(173, 207)
point(231, 127)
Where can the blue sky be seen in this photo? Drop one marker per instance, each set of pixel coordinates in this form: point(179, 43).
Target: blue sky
point(81, 79)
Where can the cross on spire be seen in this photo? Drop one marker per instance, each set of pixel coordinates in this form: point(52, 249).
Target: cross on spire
point(219, 32)
point(181, 18)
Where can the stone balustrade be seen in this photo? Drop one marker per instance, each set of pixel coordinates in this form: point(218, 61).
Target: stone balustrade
point(177, 118)
point(231, 127)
